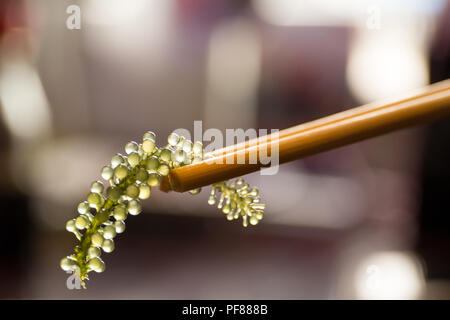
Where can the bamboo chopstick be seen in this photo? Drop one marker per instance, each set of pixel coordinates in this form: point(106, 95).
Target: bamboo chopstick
point(317, 136)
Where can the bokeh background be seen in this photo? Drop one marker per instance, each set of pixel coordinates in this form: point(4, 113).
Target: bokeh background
point(370, 220)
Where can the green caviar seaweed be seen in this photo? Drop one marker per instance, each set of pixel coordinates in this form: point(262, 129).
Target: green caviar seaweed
point(131, 177)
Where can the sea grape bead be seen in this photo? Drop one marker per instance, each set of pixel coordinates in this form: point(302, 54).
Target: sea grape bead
point(163, 170)
point(132, 191)
point(133, 159)
point(149, 135)
point(107, 172)
point(109, 232)
point(117, 160)
point(197, 148)
point(108, 245)
point(152, 163)
point(67, 264)
point(134, 207)
point(179, 156)
point(258, 206)
point(113, 193)
point(96, 264)
point(142, 175)
point(82, 222)
point(97, 239)
point(254, 220)
point(173, 139)
point(121, 172)
point(259, 215)
point(144, 191)
point(120, 213)
point(244, 221)
point(165, 155)
point(120, 226)
point(187, 146)
point(131, 147)
point(226, 208)
point(93, 252)
point(148, 146)
point(94, 199)
point(212, 200)
point(154, 179)
point(195, 191)
point(83, 207)
point(197, 159)
point(97, 187)
point(70, 225)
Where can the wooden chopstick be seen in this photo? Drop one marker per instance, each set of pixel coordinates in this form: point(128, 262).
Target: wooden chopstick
point(317, 136)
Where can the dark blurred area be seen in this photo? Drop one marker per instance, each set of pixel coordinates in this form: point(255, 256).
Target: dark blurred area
point(366, 221)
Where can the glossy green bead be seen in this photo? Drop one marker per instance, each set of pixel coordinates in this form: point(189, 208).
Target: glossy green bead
point(195, 191)
point(180, 142)
point(187, 146)
point(197, 148)
point(67, 264)
point(97, 239)
point(132, 191)
point(259, 215)
point(121, 172)
point(254, 220)
point(70, 225)
point(96, 264)
point(212, 200)
point(258, 206)
point(166, 155)
point(97, 187)
point(152, 163)
point(83, 207)
point(163, 169)
point(120, 226)
point(226, 208)
point(154, 179)
point(133, 159)
point(144, 191)
point(94, 199)
point(109, 232)
point(107, 172)
point(114, 193)
point(149, 135)
point(134, 207)
point(142, 175)
point(131, 147)
point(93, 252)
point(120, 213)
point(179, 156)
point(244, 221)
point(81, 222)
point(173, 139)
point(117, 160)
point(108, 245)
point(148, 146)
point(197, 159)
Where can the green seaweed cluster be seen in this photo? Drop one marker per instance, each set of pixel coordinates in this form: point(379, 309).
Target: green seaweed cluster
point(129, 180)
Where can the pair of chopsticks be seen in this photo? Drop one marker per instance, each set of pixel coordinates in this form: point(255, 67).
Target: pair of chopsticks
point(317, 136)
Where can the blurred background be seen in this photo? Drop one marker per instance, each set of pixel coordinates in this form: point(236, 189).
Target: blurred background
point(366, 221)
